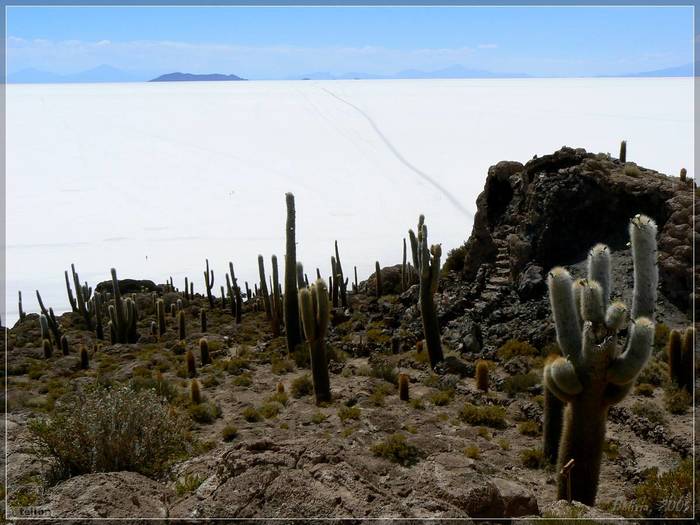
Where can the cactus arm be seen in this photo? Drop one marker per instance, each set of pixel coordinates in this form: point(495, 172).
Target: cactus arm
point(646, 272)
point(616, 316)
point(307, 314)
point(71, 299)
point(552, 386)
point(592, 308)
point(577, 287)
point(563, 374)
point(561, 298)
point(414, 247)
point(625, 368)
point(436, 251)
point(599, 269)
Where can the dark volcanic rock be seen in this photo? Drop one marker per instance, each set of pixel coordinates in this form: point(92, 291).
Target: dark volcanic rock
point(553, 209)
point(129, 286)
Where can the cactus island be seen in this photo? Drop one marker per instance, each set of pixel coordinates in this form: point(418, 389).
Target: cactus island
point(544, 369)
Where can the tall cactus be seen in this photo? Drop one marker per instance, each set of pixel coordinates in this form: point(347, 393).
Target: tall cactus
point(623, 151)
point(97, 308)
point(275, 300)
point(291, 296)
point(314, 305)
point(235, 292)
point(377, 279)
point(122, 315)
point(340, 279)
point(52, 323)
point(427, 263)
point(82, 297)
point(597, 372)
point(19, 305)
point(209, 283)
point(160, 314)
point(263, 287)
point(71, 299)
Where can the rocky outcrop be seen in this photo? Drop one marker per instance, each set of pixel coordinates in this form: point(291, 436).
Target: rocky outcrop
point(551, 210)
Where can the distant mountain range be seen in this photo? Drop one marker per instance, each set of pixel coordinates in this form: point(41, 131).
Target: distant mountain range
point(189, 77)
point(105, 73)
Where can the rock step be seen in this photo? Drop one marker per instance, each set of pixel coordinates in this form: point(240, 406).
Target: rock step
point(502, 270)
point(499, 280)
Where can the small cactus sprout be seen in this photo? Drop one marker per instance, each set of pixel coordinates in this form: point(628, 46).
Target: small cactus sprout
point(598, 369)
point(195, 393)
point(84, 358)
point(203, 319)
point(403, 387)
point(204, 351)
point(673, 349)
point(623, 151)
point(48, 349)
point(482, 375)
point(280, 388)
point(191, 367)
point(154, 328)
point(378, 278)
point(181, 326)
point(687, 351)
point(160, 314)
point(314, 305)
point(64, 345)
point(684, 174)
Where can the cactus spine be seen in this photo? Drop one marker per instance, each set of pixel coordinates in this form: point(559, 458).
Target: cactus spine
point(204, 351)
point(482, 375)
point(596, 371)
point(209, 283)
point(427, 263)
point(403, 387)
point(314, 305)
point(292, 270)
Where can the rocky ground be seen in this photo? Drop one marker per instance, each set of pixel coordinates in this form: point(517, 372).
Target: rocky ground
point(266, 454)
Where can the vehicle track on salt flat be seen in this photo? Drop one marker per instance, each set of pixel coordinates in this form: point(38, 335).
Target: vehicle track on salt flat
point(430, 180)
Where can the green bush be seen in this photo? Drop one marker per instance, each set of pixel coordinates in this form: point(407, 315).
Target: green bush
point(270, 409)
point(229, 433)
point(654, 373)
point(488, 416)
point(529, 428)
point(95, 431)
point(442, 397)
point(513, 347)
point(532, 458)
point(251, 415)
point(243, 380)
point(396, 449)
point(345, 413)
point(188, 484)
point(282, 366)
point(236, 365)
point(204, 412)
point(455, 259)
point(318, 418)
point(302, 386)
point(677, 400)
point(645, 389)
point(669, 495)
point(472, 451)
point(650, 411)
point(520, 382)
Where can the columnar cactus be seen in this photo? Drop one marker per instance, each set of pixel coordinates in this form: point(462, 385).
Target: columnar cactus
point(341, 282)
point(687, 351)
point(97, 307)
point(84, 358)
point(314, 305)
point(51, 321)
point(209, 283)
point(263, 287)
point(48, 348)
point(403, 387)
point(195, 393)
point(82, 297)
point(553, 417)
point(223, 299)
point(683, 175)
point(427, 263)
point(64, 345)
point(291, 285)
point(204, 351)
point(71, 299)
point(378, 278)
point(181, 325)
point(623, 151)
point(595, 371)
point(235, 294)
point(356, 286)
point(203, 319)
point(673, 350)
point(122, 315)
point(301, 278)
point(482, 375)
point(275, 300)
point(404, 275)
point(187, 289)
point(19, 304)
point(160, 314)
point(191, 366)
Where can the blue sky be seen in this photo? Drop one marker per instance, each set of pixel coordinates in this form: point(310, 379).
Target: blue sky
point(281, 42)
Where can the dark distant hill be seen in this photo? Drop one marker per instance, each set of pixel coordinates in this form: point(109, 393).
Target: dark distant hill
point(189, 77)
